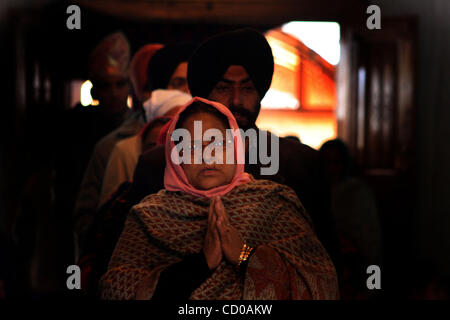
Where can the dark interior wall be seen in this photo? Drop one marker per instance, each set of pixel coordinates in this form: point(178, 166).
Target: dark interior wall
point(7, 119)
point(432, 223)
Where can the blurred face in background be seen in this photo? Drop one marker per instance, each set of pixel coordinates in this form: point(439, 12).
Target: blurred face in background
point(178, 80)
point(111, 92)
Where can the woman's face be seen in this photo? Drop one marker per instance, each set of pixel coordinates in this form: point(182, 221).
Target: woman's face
point(207, 176)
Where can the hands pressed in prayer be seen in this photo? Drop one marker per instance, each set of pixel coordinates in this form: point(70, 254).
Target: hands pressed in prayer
point(230, 240)
point(212, 247)
point(221, 239)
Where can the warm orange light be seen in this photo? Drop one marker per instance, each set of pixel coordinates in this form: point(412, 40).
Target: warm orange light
point(313, 128)
point(318, 86)
point(275, 99)
point(284, 55)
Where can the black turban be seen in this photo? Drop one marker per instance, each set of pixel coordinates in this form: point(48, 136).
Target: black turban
point(164, 62)
point(243, 47)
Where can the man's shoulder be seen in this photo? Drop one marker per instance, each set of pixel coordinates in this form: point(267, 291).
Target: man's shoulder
point(127, 143)
point(133, 123)
point(296, 147)
point(290, 150)
point(106, 143)
point(123, 131)
point(289, 145)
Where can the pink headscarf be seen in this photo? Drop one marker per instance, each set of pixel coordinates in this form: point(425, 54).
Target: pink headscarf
point(174, 176)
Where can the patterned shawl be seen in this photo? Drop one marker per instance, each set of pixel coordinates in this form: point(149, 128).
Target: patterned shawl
point(289, 262)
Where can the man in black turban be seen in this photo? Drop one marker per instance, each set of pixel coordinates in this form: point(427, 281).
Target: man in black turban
point(234, 68)
point(167, 68)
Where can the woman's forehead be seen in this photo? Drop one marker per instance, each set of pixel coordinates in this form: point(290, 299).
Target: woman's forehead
point(208, 121)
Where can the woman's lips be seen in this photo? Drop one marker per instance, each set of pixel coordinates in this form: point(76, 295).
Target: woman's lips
point(209, 172)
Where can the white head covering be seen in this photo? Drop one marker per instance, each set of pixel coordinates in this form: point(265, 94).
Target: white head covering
point(162, 101)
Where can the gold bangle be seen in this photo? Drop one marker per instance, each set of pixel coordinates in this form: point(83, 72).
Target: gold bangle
point(245, 254)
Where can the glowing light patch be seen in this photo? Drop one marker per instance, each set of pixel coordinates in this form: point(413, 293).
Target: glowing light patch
point(275, 99)
point(322, 37)
point(85, 95)
point(282, 55)
point(129, 102)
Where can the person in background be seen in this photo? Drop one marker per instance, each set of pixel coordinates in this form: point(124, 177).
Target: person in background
point(293, 138)
point(139, 75)
point(357, 221)
point(76, 133)
point(124, 157)
point(107, 225)
point(165, 70)
point(168, 67)
point(82, 127)
point(103, 234)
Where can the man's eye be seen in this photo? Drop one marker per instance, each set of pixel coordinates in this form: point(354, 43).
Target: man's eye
point(222, 88)
point(249, 88)
point(178, 82)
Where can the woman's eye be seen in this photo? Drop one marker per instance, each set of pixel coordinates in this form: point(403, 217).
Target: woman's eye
point(196, 145)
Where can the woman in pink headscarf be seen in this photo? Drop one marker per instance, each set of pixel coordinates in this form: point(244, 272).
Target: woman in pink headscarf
point(214, 232)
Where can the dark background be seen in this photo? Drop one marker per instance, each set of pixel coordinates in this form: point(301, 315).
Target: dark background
point(413, 190)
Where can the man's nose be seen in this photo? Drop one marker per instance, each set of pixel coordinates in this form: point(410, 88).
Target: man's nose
point(237, 97)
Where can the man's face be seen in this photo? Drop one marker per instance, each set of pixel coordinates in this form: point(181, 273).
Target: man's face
point(178, 80)
point(237, 92)
point(112, 92)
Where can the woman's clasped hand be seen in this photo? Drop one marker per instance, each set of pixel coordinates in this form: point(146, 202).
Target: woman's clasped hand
point(222, 240)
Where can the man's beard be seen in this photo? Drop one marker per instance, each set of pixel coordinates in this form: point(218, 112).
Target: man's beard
point(245, 118)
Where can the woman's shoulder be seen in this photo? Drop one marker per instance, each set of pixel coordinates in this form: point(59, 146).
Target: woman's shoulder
point(158, 199)
point(264, 186)
point(264, 190)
